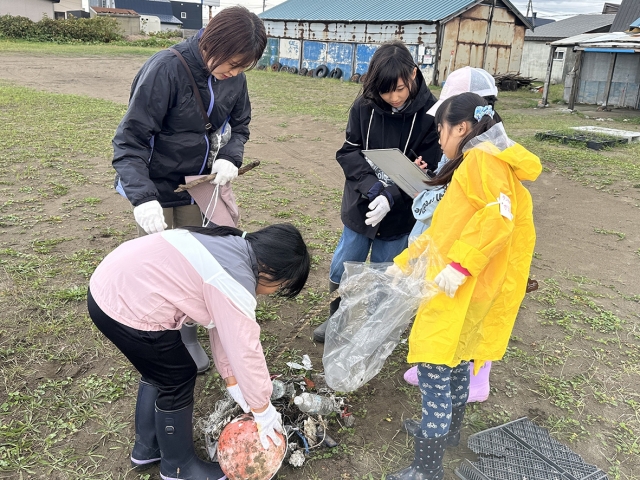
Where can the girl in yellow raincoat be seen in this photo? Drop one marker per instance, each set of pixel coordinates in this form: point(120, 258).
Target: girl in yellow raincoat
point(483, 228)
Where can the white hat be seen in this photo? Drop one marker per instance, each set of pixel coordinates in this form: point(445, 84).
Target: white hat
point(466, 79)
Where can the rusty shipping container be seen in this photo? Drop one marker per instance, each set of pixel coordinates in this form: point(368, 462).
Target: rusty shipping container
point(481, 33)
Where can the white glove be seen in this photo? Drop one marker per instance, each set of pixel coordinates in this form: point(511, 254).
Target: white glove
point(269, 422)
point(150, 217)
point(379, 208)
point(236, 394)
point(449, 279)
point(225, 171)
point(395, 273)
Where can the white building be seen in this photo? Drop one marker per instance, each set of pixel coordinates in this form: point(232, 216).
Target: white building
point(35, 10)
point(535, 54)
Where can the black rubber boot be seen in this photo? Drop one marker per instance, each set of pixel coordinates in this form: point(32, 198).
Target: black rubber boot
point(179, 460)
point(145, 451)
point(319, 332)
point(189, 333)
point(412, 426)
point(457, 416)
point(427, 461)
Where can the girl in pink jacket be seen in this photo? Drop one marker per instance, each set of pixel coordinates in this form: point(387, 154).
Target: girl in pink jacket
point(141, 294)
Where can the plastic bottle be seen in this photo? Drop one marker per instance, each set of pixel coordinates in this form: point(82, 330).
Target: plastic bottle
point(281, 389)
point(315, 404)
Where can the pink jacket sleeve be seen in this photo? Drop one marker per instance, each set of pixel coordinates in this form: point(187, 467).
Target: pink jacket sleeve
point(236, 348)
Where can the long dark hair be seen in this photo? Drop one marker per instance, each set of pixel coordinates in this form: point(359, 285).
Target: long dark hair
point(391, 61)
point(454, 111)
point(234, 32)
point(280, 251)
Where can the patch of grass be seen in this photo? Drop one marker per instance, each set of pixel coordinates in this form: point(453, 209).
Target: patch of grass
point(75, 294)
point(627, 440)
point(286, 138)
point(293, 95)
point(620, 235)
point(45, 246)
point(564, 393)
point(69, 50)
point(267, 311)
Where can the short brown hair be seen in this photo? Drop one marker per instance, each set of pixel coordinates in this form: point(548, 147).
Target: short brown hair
point(233, 32)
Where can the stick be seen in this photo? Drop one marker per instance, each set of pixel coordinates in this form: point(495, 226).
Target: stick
point(208, 178)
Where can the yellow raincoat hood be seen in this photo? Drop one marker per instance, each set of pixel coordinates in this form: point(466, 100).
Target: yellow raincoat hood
point(485, 223)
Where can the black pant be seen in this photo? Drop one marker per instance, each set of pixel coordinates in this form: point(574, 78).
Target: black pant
point(160, 357)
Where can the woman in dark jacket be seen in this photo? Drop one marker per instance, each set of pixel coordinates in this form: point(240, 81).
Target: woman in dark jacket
point(164, 136)
point(391, 112)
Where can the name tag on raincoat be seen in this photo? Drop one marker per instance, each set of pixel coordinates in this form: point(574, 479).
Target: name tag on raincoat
point(505, 206)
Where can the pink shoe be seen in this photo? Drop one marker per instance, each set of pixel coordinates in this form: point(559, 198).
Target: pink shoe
point(411, 376)
point(479, 384)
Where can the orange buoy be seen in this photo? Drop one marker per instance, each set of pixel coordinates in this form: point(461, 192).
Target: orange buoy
point(241, 454)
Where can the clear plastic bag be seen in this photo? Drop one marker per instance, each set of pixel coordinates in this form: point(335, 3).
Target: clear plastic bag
point(378, 304)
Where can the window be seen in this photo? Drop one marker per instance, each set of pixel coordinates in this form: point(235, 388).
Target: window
point(183, 14)
point(558, 55)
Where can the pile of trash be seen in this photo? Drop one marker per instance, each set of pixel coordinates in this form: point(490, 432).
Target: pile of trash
point(303, 399)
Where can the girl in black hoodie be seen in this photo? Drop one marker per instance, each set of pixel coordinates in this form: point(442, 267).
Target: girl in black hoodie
point(390, 112)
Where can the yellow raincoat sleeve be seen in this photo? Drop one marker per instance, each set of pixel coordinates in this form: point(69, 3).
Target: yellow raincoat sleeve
point(483, 179)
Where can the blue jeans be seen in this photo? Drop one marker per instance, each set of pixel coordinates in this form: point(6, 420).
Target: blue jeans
point(442, 388)
point(354, 247)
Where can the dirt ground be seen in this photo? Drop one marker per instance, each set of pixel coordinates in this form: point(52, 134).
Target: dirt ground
point(566, 216)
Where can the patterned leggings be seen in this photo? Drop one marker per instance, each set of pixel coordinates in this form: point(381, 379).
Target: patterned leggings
point(442, 388)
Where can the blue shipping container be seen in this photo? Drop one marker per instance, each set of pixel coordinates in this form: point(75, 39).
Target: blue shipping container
point(364, 52)
point(270, 55)
point(314, 54)
point(340, 55)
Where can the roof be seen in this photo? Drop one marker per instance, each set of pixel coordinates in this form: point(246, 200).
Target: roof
point(570, 27)
point(629, 11)
point(610, 7)
point(538, 22)
point(170, 19)
point(612, 40)
point(375, 11)
point(636, 24)
point(115, 11)
point(575, 40)
point(157, 8)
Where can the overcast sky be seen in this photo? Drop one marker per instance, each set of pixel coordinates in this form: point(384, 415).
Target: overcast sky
point(556, 9)
point(559, 9)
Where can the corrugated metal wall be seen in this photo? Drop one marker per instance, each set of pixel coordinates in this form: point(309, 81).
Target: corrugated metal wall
point(483, 37)
point(345, 46)
point(353, 32)
point(289, 52)
point(480, 37)
point(270, 54)
point(625, 86)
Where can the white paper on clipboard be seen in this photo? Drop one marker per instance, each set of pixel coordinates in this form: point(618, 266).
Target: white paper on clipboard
point(406, 174)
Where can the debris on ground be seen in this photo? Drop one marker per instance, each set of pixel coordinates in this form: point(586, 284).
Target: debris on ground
point(306, 364)
point(629, 135)
point(297, 459)
point(305, 430)
point(511, 82)
point(591, 140)
point(224, 411)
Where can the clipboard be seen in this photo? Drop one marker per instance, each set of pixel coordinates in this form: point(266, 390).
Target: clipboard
point(407, 175)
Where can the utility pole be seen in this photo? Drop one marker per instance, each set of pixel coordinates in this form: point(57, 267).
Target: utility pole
point(264, 3)
point(533, 15)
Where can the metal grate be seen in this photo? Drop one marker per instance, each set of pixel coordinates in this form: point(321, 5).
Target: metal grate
point(520, 450)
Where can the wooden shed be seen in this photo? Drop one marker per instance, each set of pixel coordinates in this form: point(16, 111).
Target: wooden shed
point(442, 36)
